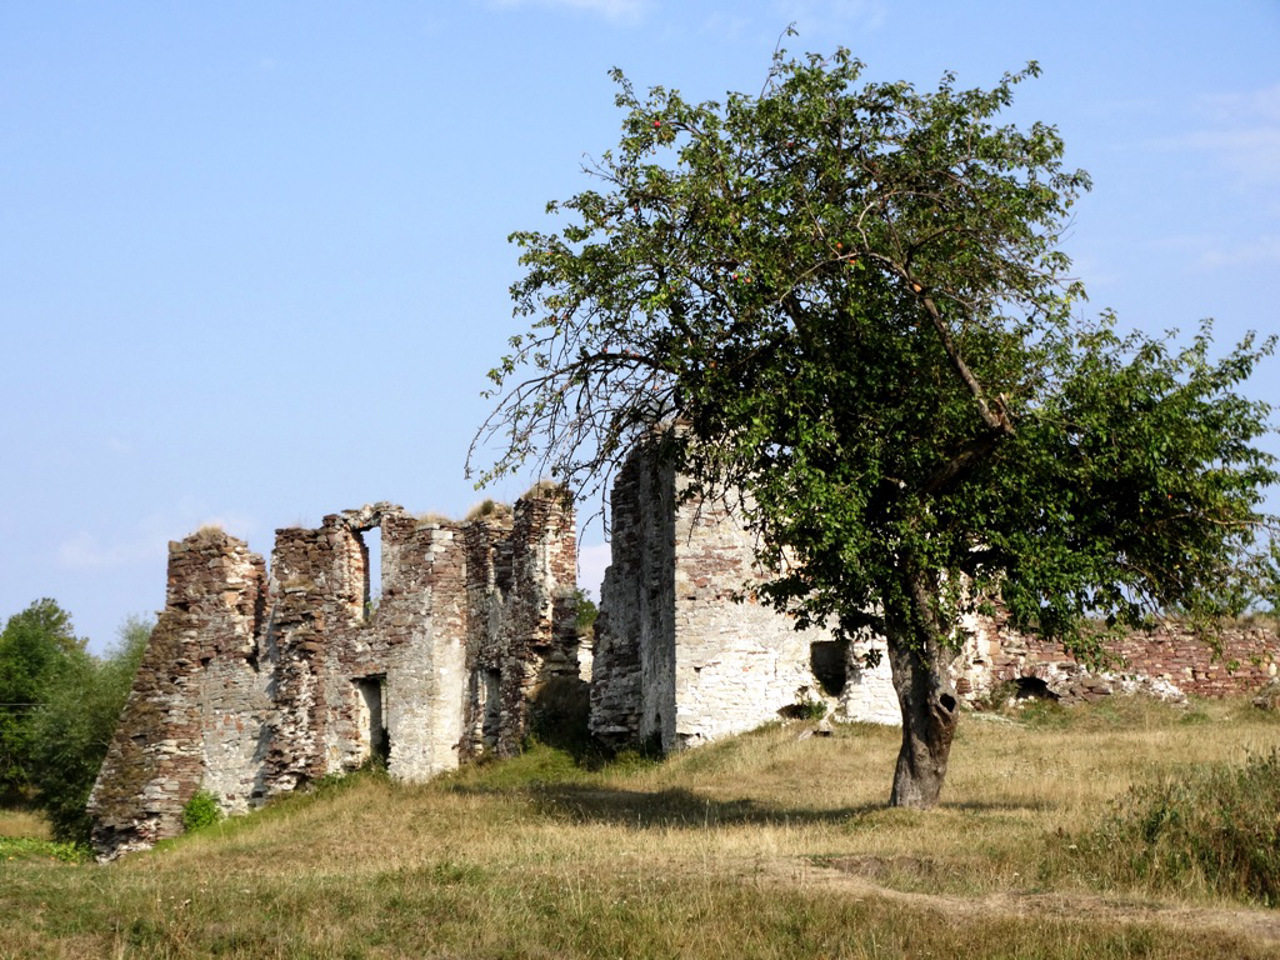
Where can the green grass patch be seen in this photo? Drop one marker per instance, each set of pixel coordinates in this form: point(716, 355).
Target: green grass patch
point(33, 848)
point(1214, 828)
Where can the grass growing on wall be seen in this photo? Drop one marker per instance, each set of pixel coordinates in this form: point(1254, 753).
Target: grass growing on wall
point(759, 846)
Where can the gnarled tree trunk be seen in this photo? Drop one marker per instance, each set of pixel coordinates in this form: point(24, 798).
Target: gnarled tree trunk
point(919, 660)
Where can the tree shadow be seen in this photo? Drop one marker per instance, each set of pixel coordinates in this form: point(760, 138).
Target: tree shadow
point(675, 807)
point(585, 803)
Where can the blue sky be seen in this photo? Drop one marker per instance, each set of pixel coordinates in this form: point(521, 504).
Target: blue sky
point(254, 266)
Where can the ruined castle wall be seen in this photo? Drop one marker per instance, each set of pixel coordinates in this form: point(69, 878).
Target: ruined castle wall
point(739, 664)
point(522, 573)
point(633, 666)
point(254, 686)
point(423, 616)
point(196, 710)
point(1168, 661)
point(361, 670)
point(683, 650)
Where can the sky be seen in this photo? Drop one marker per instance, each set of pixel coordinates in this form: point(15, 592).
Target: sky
point(253, 255)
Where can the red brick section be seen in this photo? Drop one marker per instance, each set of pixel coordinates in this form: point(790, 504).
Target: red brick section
point(1248, 659)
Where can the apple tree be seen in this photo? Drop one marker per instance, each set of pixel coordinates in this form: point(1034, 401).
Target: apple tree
point(849, 300)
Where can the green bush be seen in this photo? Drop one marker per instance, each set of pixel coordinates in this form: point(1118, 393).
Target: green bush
point(1217, 828)
point(201, 811)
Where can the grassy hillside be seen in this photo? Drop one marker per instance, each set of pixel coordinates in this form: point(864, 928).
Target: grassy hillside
point(762, 846)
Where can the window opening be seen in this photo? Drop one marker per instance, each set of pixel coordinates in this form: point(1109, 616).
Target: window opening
point(492, 708)
point(371, 544)
point(830, 663)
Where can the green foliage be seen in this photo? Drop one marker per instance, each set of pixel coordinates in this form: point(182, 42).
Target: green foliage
point(849, 300)
point(33, 848)
point(1214, 829)
point(852, 299)
point(200, 811)
point(37, 647)
point(586, 611)
point(65, 737)
point(813, 709)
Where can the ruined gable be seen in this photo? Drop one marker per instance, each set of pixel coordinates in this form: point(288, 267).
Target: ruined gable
point(254, 685)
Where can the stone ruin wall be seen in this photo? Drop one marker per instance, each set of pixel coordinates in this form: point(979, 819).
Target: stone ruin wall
point(253, 685)
point(679, 662)
point(1168, 661)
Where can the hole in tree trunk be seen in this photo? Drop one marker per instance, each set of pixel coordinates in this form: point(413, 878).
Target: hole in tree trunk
point(948, 702)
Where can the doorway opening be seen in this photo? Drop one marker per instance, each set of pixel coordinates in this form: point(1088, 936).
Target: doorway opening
point(372, 719)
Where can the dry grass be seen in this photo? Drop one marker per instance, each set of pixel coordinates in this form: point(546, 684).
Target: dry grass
point(23, 823)
point(762, 846)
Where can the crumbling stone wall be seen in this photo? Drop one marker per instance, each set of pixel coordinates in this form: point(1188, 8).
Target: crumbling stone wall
point(255, 685)
point(684, 655)
point(1169, 661)
point(199, 701)
point(522, 576)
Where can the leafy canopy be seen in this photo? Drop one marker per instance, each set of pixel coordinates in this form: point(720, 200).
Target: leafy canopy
point(850, 301)
point(59, 706)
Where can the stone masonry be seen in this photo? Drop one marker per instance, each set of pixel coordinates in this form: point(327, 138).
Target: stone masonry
point(684, 655)
point(256, 684)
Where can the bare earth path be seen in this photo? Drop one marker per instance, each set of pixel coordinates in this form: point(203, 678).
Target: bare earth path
point(853, 877)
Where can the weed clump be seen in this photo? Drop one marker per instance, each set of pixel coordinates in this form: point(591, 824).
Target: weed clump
point(200, 811)
point(1216, 828)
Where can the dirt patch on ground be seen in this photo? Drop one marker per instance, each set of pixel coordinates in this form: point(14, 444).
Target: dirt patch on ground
point(860, 876)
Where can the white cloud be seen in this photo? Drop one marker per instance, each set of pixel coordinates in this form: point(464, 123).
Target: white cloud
point(725, 26)
point(620, 11)
point(817, 17)
point(1259, 251)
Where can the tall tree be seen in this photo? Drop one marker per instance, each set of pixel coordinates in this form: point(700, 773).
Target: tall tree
point(69, 732)
point(851, 302)
point(36, 646)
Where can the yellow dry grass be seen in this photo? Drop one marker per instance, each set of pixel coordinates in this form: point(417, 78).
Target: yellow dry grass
point(23, 823)
point(762, 846)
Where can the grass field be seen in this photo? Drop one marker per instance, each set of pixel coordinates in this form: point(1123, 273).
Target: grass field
point(761, 846)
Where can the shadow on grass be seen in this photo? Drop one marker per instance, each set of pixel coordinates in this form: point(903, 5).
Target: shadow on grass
point(588, 803)
point(676, 807)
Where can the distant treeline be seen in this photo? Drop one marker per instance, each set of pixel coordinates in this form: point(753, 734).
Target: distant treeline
point(58, 709)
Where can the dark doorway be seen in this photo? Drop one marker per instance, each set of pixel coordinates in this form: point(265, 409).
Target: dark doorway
point(373, 719)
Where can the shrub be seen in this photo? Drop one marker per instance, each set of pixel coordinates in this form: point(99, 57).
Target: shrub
point(201, 811)
point(1217, 828)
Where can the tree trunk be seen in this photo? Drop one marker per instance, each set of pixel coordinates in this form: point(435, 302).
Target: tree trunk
point(919, 661)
